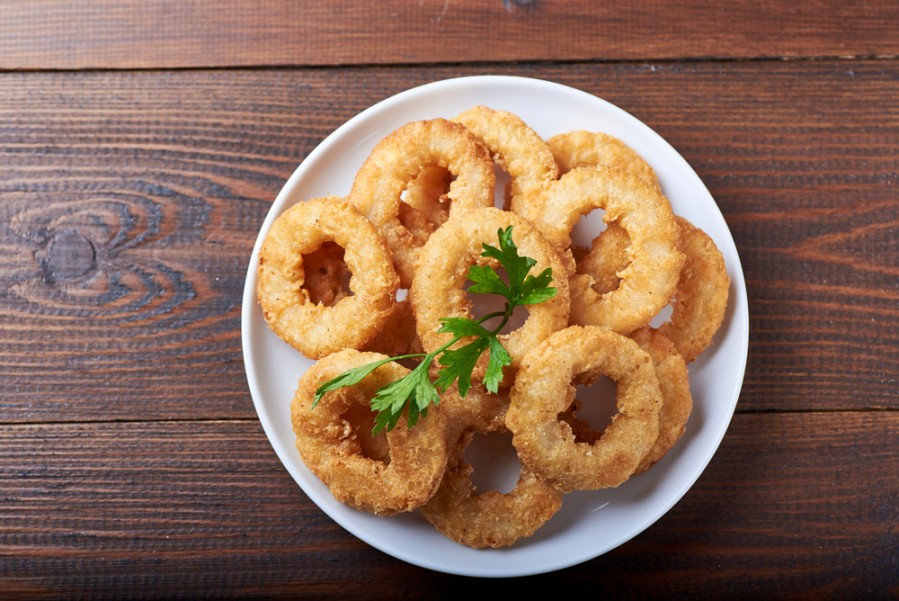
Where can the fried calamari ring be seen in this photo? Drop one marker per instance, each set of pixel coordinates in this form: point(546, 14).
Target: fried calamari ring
point(490, 519)
point(517, 149)
point(398, 158)
point(677, 402)
point(596, 149)
point(648, 281)
point(701, 297)
point(333, 449)
point(543, 390)
point(674, 384)
point(312, 328)
point(700, 300)
point(438, 288)
point(327, 281)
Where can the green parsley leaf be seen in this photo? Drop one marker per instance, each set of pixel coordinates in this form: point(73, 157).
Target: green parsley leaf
point(487, 281)
point(390, 400)
point(515, 265)
point(459, 363)
point(499, 358)
point(462, 327)
point(536, 289)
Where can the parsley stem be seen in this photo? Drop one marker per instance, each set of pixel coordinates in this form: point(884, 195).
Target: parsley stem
point(505, 314)
point(503, 323)
point(445, 346)
point(494, 314)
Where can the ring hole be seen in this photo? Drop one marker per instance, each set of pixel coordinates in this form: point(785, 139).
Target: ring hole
point(362, 419)
point(593, 410)
point(607, 256)
point(327, 277)
point(588, 227)
point(502, 193)
point(495, 465)
point(662, 317)
point(424, 204)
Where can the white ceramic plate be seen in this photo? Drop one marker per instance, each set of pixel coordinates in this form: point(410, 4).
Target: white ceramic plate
point(589, 523)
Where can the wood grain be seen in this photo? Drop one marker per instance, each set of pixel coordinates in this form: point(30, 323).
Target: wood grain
point(130, 202)
point(142, 143)
point(108, 34)
point(204, 509)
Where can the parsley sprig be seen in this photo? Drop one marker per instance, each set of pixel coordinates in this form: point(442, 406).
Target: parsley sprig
point(415, 392)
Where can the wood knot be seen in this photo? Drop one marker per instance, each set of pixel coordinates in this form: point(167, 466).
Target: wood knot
point(69, 255)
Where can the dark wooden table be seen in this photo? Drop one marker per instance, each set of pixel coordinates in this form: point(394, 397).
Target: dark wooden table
point(142, 143)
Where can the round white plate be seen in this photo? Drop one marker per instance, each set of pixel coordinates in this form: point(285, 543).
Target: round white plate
point(589, 523)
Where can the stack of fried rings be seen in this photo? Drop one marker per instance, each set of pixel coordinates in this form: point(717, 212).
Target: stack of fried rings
point(418, 213)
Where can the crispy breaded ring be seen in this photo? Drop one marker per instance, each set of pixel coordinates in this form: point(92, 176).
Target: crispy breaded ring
point(517, 149)
point(317, 329)
point(700, 300)
point(398, 158)
point(596, 149)
point(677, 402)
point(438, 289)
point(330, 446)
point(674, 384)
point(326, 279)
point(490, 519)
point(543, 390)
point(648, 281)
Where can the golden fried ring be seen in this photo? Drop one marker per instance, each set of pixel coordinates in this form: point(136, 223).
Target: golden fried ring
point(543, 390)
point(648, 281)
point(517, 149)
point(327, 281)
point(596, 149)
point(438, 288)
point(398, 158)
point(317, 329)
point(491, 519)
point(677, 402)
point(674, 384)
point(331, 448)
point(700, 300)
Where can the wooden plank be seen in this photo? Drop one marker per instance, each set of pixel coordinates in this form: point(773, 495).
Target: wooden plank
point(107, 34)
point(130, 201)
point(204, 509)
